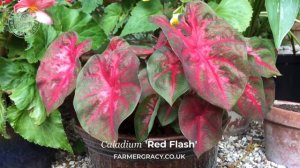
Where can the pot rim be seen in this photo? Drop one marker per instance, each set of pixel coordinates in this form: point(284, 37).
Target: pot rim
point(132, 137)
point(284, 117)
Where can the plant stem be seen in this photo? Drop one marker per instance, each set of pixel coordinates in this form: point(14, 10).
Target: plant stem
point(294, 37)
point(258, 6)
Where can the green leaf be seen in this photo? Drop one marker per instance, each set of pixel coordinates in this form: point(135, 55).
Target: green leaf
point(50, 134)
point(39, 43)
point(139, 20)
point(19, 78)
point(237, 13)
point(3, 118)
point(89, 6)
point(65, 20)
point(17, 73)
point(111, 17)
point(23, 94)
point(281, 14)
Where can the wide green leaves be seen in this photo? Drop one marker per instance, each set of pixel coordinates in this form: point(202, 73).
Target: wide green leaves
point(237, 13)
point(281, 14)
point(89, 6)
point(28, 114)
point(113, 14)
point(50, 133)
point(139, 20)
point(64, 20)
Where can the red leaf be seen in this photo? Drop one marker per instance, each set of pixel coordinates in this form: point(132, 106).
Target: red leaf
point(262, 56)
point(141, 50)
point(110, 91)
point(147, 89)
point(162, 41)
point(252, 103)
point(145, 116)
point(200, 122)
point(213, 55)
point(166, 75)
point(58, 70)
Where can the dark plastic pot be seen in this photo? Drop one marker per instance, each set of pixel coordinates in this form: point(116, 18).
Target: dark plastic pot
point(287, 85)
point(282, 136)
point(18, 153)
point(104, 157)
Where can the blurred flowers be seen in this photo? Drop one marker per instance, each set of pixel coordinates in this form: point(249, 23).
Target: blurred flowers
point(5, 2)
point(35, 8)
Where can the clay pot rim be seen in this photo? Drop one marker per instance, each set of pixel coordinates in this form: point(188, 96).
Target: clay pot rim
point(284, 117)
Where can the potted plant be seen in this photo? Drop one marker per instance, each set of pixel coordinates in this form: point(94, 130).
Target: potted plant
point(187, 71)
point(198, 69)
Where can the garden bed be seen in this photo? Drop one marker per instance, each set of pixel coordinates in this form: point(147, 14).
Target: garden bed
point(246, 150)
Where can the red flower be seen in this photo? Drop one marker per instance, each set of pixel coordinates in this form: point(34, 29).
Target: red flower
point(5, 2)
point(36, 7)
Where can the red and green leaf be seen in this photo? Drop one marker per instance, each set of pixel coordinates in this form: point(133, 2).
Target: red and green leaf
point(200, 122)
point(167, 114)
point(252, 103)
point(262, 56)
point(145, 116)
point(57, 73)
point(269, 87)
point(166, 75)
point(147, 89)
point(213, 55)
point(110, 91)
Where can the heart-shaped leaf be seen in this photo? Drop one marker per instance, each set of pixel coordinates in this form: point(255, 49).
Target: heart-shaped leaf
point(56, 76)
point(252, 103)
point(166, 75)
point(110, 91)
point(145, 116)
point(262, 56)
point(200, 122)
point(213, 55)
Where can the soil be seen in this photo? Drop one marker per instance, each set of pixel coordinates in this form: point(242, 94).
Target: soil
point(295, 108)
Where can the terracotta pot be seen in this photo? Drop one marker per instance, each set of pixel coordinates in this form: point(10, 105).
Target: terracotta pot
point(282, 136)
point(104, 157)
point(237, 124)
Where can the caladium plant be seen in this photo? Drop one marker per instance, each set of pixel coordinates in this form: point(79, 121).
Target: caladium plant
point(201, 63)
point(196, 70)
